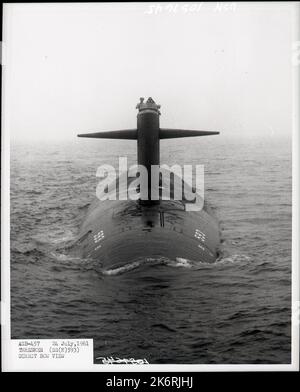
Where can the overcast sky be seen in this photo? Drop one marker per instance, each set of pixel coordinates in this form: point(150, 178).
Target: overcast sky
point(72, 68)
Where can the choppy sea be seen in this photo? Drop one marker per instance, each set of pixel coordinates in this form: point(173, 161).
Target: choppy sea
point(234, 311)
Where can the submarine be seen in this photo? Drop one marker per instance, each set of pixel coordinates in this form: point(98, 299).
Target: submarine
point(118, 232)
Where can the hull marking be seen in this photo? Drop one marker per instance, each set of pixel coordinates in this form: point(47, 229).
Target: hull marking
point(99, 236)
point(199, 235)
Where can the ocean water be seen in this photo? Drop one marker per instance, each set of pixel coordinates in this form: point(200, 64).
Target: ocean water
point(234, 311)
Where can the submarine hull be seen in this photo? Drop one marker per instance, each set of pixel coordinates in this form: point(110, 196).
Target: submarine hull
point(116, 233)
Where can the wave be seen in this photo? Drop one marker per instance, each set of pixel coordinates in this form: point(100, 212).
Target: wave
point(233, 259)
point(179, 262)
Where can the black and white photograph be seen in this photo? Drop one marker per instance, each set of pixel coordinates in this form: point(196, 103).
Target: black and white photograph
point(150, 170)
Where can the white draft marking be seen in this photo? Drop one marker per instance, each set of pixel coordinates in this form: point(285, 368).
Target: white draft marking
point(99, 236)
point(200, 235)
